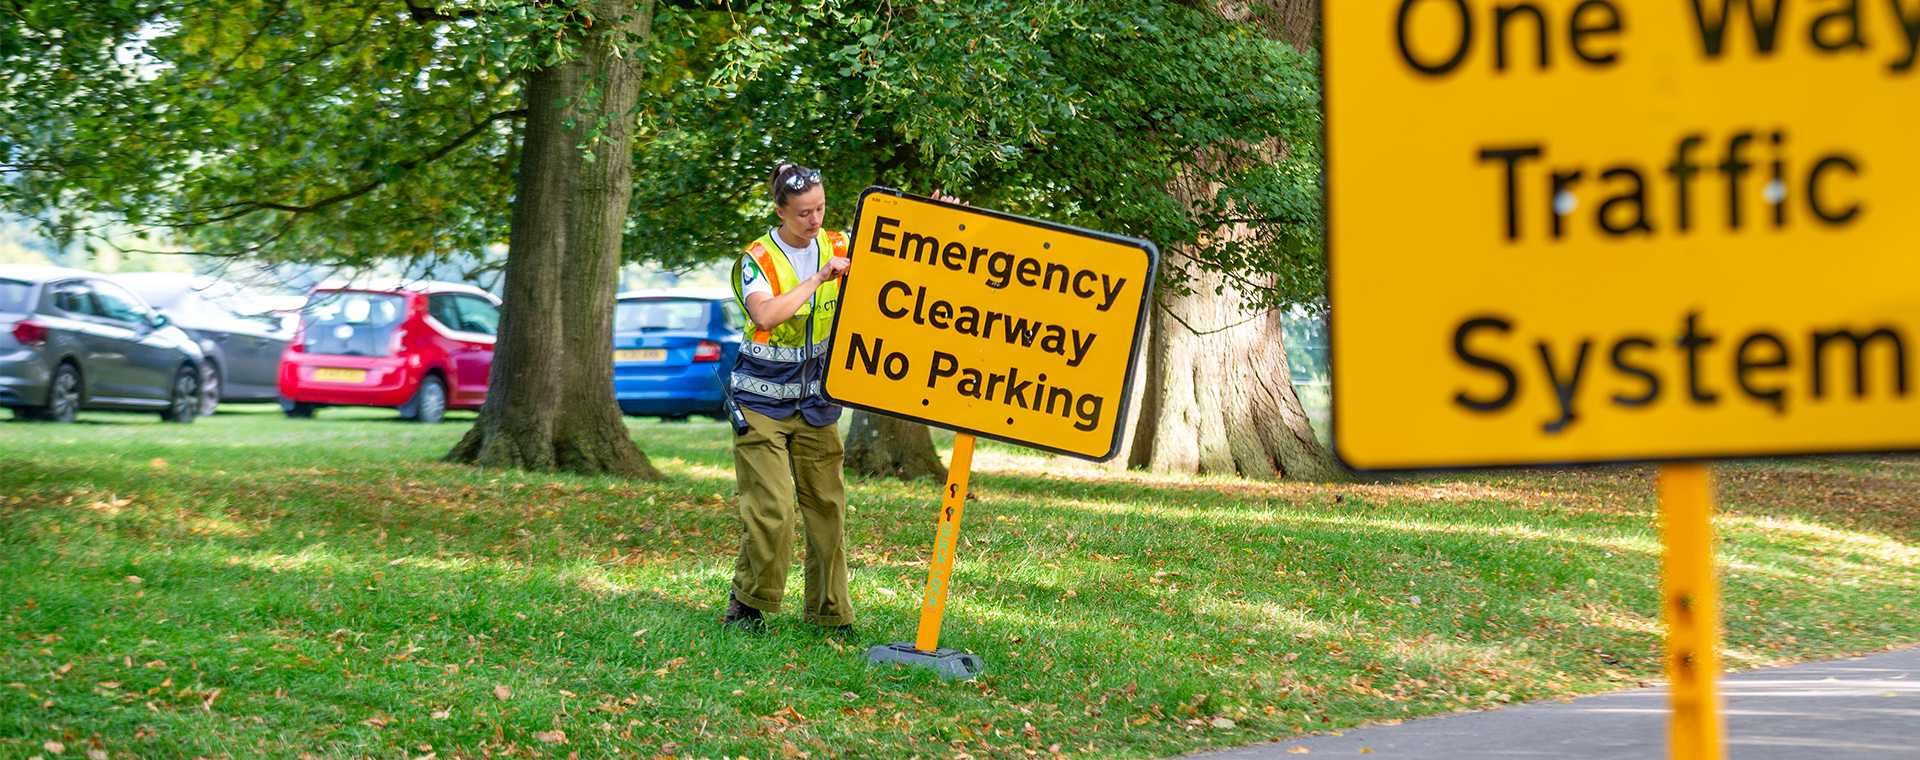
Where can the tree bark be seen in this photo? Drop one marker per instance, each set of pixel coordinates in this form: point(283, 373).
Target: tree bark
point(882, 446)
point(1218, 395)
point(1291, 21)
point(550, 397)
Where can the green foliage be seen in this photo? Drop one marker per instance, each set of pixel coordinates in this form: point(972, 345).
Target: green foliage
point(1098, 114)
point(351, 132)
point(344, 132)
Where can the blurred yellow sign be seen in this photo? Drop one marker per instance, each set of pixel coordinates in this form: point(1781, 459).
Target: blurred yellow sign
point(987, 323)
point(1590, 230)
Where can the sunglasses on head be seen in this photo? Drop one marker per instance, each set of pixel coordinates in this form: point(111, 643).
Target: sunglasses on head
point(801, 180)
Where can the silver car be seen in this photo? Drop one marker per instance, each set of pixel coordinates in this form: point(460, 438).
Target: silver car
point(242, 344)
point(72, 340)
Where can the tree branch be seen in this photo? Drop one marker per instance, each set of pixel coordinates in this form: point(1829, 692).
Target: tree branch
point(422, 13)
point(252, 40)
point(1196, 331)
point(285, 227)
point(243, 208)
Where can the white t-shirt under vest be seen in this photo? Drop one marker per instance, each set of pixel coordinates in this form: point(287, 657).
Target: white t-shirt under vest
point(805, 261)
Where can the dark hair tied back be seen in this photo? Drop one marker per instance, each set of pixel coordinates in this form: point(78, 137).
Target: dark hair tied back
point(790, 179)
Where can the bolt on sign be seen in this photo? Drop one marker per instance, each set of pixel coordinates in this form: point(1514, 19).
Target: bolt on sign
point(1596, 230)
point(991, 324)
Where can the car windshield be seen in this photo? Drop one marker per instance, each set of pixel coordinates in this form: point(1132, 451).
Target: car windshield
point(158, 295)
point(351, 322)
point(635, 315)
point(216, 305)
point(13, 295)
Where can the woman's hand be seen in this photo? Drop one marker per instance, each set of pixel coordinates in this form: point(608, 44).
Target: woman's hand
point(836, 267)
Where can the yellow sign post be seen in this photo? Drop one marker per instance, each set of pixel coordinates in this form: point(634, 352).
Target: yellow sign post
point(991, 325)
point(1602, 230)
point(946, 538)
point(1690, 605)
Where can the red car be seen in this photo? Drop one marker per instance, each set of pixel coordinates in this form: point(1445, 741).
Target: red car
point(419, 347)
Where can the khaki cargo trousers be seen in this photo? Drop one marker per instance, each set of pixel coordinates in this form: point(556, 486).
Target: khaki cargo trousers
point(779, 464)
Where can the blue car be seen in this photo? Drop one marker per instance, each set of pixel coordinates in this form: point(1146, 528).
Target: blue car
point(673, 350)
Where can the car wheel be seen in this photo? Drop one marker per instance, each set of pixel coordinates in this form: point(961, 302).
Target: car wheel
point(183, 399)
point(209, 390)
point(298, 410)
point(63, 396)
point(429, 404)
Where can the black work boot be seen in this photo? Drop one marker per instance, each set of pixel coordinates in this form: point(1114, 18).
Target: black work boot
point(742, 617)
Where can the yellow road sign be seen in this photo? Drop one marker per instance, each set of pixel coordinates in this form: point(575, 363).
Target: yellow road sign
point(1593, 230)
point(987, 323)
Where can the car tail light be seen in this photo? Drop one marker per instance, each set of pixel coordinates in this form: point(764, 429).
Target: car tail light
point(399, 337)
point(30, 333)
point(298, 343)
point(706, 351)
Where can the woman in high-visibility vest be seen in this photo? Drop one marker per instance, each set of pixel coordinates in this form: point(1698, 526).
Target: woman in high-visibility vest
point(787, 456)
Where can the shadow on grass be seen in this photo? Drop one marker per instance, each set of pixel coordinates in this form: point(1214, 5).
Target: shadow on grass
point(1123, 611)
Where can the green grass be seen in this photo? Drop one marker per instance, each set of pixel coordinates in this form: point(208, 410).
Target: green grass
point(250, 586)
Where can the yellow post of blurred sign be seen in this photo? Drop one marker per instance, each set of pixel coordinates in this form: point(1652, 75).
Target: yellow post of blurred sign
point(987, 323)
point(1592, 230)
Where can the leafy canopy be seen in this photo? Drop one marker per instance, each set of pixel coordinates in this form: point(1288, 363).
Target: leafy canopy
point(359, 131)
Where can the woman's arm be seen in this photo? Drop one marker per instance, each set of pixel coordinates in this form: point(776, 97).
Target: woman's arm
point(768, 311)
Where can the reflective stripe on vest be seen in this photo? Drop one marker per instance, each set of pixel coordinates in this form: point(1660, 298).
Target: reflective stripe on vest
point(782, 391)
point(783, 354)
point(769, 270)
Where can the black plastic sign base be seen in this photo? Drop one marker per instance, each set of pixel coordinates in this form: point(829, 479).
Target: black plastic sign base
point(950, 664)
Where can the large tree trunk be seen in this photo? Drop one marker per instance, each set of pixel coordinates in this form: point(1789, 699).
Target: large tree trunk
point(1218, 396)
point(550, 399)
point(882, 446)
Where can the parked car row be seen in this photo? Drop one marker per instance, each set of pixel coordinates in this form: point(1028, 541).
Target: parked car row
point(71, 340)
point(180, 345)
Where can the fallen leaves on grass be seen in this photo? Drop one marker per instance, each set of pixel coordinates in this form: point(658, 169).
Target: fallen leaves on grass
point(672, 665)
point(551, 737)
point(502, 693)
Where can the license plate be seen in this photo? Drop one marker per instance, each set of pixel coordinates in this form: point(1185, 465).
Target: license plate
point(337, 375)
point(641, 355)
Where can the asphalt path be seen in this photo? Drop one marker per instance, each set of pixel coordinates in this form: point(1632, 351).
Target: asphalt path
point(1852, 709)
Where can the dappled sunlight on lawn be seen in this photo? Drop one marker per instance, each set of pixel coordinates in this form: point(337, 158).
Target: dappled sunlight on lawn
point(341, 565)
point(1644, 544)
point(1874, 548)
